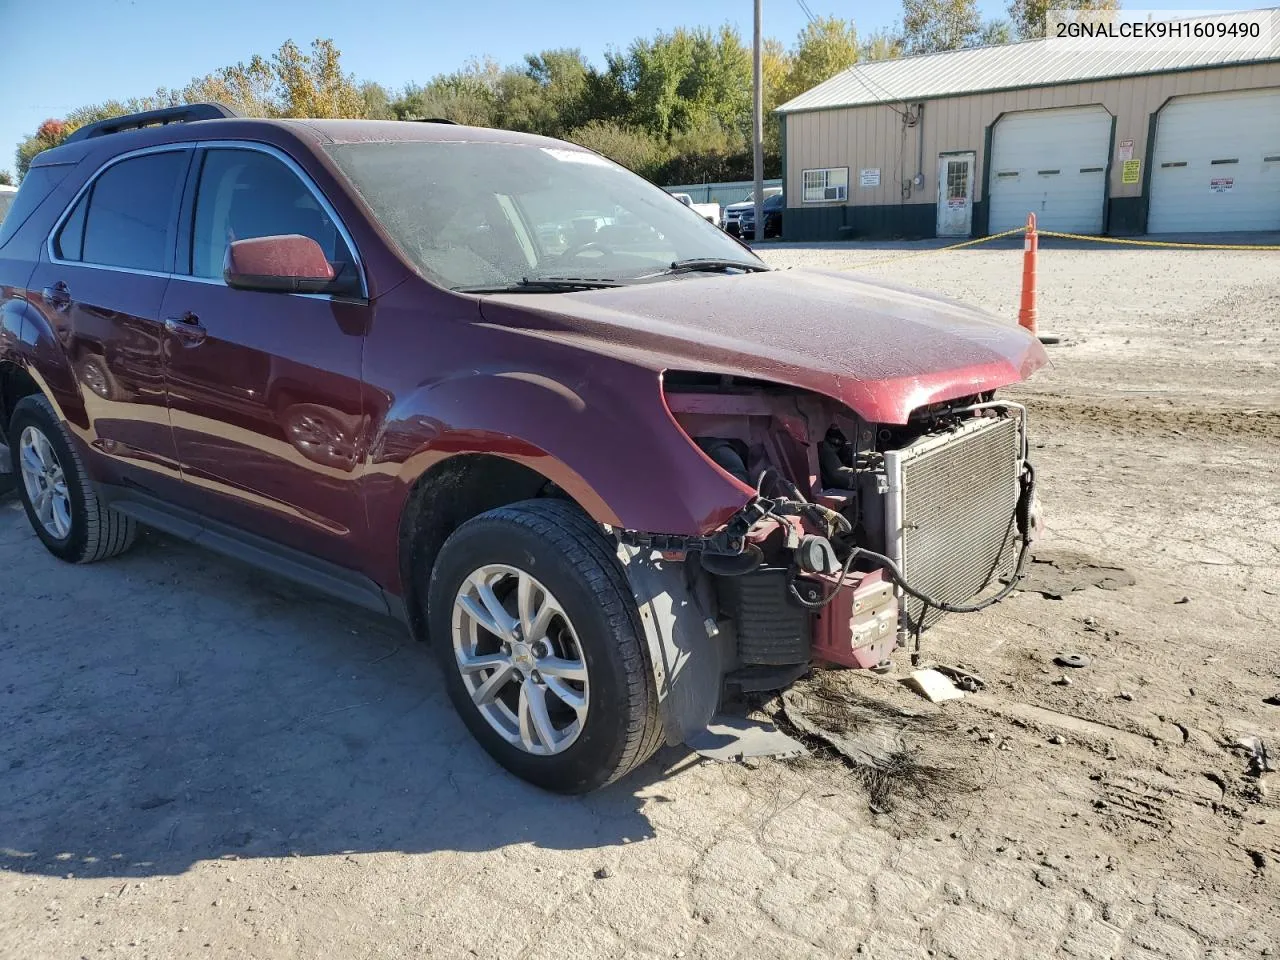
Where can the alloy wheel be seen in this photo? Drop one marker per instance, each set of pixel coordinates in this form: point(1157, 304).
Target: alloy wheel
point(46, 483)
point(520, 659)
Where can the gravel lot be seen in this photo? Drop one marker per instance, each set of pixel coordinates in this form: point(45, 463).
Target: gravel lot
point(196, 761)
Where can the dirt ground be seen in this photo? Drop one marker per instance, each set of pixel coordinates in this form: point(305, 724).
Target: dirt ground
point(196, 761)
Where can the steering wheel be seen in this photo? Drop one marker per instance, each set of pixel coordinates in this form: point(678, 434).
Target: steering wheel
point(586, 245)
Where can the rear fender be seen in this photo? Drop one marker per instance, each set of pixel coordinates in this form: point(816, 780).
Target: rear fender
point(28, 341)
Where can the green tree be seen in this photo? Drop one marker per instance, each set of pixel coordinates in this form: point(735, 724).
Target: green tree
point(1029, 15)
point(377, 101)
point(824, 48)
point(881, 45)
point(932, 25)
point(995, 32)
point(637, 150)
point(6, 178)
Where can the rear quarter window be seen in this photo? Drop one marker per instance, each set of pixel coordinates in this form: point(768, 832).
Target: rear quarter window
point(36, 186)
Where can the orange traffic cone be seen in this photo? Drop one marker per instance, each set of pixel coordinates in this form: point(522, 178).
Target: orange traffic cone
point(1027, 309)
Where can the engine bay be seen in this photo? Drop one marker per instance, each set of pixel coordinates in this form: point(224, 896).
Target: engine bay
point(858, 534)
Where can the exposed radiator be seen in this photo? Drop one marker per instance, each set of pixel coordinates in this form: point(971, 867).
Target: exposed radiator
point(951, 511)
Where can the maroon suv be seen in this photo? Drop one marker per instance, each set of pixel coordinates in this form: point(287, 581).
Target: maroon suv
point(612, 466)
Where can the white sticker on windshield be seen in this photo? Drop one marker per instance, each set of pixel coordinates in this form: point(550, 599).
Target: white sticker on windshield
point(576, 156)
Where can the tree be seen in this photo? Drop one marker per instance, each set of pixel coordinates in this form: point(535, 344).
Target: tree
point(995, 32)
point(881, 45)
point(635, 149)
point(6, 178)
point(313, 85)
point(377, 101)
point(932, 25)
point(824, 48)
point(1029, 15)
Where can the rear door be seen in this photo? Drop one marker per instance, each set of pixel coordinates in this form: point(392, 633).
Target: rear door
point(100, 283)
point(264, 387)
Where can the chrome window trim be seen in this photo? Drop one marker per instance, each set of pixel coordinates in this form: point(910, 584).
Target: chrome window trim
point(84, 188)
point(219, 282)
point(268, 149)
point(307, 182)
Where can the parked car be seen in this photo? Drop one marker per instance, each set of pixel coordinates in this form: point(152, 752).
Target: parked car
point(7, 193)
point(341, 350)
point(773, 209)
point(733, 211)
point(708, 211)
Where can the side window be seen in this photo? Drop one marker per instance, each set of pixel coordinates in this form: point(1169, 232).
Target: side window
point(128, 216)
point(245, 194)
point(70, 239)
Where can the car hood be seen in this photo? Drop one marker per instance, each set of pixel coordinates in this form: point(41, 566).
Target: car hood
point(740, 205)
point(881, 349)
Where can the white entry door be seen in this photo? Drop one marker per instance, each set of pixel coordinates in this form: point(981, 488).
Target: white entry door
point(955, 194)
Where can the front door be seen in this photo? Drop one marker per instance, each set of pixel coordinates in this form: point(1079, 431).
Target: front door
point(101, 289)
point(955, 194)
point(264, 388)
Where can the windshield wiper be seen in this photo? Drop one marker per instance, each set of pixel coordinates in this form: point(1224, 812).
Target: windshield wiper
point(712, 264)
point(544, 285)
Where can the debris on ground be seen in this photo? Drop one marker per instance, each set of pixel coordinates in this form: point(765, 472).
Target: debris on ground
point(897, 746)
point(734, 739)
point(1073, 660)
point(933, 686)
point(1055, 576)
point(1259, 757)
point(962, 678)
point(1272, 700)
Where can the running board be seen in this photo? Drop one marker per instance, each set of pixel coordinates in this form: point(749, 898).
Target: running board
point(322, 576)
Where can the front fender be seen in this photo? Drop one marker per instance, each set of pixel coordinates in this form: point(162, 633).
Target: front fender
point(607, 440)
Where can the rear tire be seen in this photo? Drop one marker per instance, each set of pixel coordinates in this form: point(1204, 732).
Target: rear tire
point(64, 511)
point(573, 566)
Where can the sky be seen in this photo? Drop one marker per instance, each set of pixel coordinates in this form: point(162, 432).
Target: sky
point(61, 54)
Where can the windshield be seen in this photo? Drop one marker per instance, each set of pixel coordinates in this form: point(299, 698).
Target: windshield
point(491, 215)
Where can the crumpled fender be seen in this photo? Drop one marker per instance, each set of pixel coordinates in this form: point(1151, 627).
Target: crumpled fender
point(605, 437)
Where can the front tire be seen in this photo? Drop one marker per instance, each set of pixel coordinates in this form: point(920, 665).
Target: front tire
point(537, 633)
point(65, 512)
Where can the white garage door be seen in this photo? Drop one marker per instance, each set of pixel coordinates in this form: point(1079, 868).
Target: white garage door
point(1052, 163)
point(1216, 164)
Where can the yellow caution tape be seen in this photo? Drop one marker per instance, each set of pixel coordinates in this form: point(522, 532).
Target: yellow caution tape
point(1160, 243)
point(925, 253)
point(1167, 244)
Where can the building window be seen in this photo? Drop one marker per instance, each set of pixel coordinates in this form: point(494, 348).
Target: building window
point(829, 184)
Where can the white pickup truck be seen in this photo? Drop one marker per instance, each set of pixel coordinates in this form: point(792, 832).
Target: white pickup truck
point(708, 211)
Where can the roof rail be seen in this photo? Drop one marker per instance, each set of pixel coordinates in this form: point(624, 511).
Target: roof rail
point(452, 123)
point(135, 121)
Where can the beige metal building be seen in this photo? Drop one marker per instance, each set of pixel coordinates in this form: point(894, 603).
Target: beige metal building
point(966, 143)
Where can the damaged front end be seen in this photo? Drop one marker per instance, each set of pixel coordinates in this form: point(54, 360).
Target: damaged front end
point(857, 538)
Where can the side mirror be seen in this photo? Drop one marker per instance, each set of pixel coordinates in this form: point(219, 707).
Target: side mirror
point(284, 264)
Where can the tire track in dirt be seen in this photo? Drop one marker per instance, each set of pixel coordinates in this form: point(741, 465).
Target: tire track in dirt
point(1140, 416)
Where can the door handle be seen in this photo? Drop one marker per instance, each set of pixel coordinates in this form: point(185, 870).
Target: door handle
point(187, 328)
point(58, 295)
